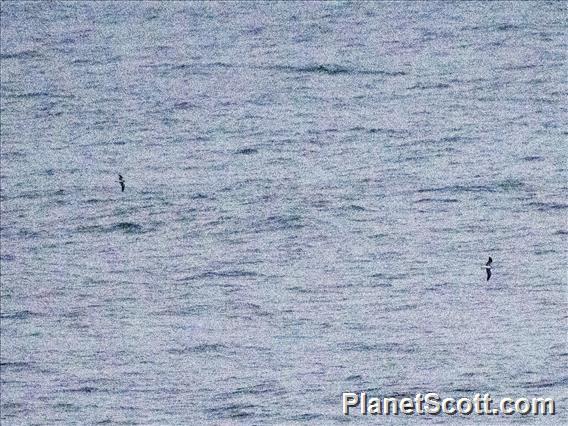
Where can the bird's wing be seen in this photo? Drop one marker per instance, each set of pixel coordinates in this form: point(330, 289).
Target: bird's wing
point(488, 273)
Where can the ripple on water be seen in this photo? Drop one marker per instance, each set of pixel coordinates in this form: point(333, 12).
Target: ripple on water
point(204, 348)
point(126, 227)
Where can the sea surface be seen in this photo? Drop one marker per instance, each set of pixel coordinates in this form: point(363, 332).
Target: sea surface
point(312, 190)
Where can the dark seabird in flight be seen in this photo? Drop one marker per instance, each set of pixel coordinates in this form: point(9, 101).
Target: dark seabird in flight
point(121, 181)
point(488, 268)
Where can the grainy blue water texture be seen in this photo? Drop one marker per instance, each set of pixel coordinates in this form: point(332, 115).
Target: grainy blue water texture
point(312, 190)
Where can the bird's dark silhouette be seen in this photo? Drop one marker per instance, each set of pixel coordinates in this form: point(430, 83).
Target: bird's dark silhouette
point(121, 181)
point(488, 268)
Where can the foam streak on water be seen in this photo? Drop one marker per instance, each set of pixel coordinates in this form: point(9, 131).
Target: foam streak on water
point(312, 190)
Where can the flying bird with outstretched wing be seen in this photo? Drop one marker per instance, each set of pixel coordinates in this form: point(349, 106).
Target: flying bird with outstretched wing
point(121, 181)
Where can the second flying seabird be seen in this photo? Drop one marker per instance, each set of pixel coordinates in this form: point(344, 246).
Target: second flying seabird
point(488, 268)
point(121, 181)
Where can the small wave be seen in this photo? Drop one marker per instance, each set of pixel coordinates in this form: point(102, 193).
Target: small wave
point(463, 390)
point(206, 347)
point(82, 389)
point(507, 27)
point(519, 67)
point(547, 383)
point(299, 289)
point(256, 309)
point(189, 311)
point(128, 227)
point(532, 158)
point(7, 257)
point(384, 276)
point(327, 69)
point(306, 417)
point(541, 252)
point(386, 347)
point(89, 228)
point(506, 185)
point(333, 69)
point(357, 208)
point(15, 365)
point(222, 274)
point(28, 233)
point(27, 95)
point(234, 411)
point(94, 200)
point(247, 151)
point(438, 200)
point(259, 389)
point(275, 223)
point(388, 132)
point(548, 206)
point(424, 86)
point(198, 196)
point(24, 54)
point(459, 188)
point(454, 139)
point(20, 315)
point(510, 184)
point(31, 95)
point(407, 307)
point(222, 65)
point(184, 105)
point(354, 377)
point(203, 348)
point(82, 61)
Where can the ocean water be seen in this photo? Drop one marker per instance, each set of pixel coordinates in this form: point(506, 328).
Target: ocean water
point(312, 190)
